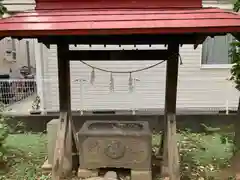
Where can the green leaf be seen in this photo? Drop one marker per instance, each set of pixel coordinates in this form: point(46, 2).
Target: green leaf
point(3, 9)
point(234, 53)
point(236, 6)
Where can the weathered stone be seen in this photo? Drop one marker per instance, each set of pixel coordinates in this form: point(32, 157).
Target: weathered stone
point(110, 175)
point(141, 175)
point(87, 173)
point(114, 144)
point(164, 171)
point(166, 178)
point(46, 167)
point(127, 177)
point(95, 178)
point(52, 128)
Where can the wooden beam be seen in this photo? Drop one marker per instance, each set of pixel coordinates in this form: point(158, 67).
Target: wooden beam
point(236, 35)
point(126, 39)
point(118, 55)
point(64, 77)
point(62, 165)
point(170, 150)
point(59, 158)
point(199, 41)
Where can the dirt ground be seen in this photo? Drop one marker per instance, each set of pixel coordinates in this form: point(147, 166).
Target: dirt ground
point(233, 170)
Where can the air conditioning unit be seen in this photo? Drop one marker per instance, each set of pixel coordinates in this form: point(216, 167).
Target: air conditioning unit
point(10, 51)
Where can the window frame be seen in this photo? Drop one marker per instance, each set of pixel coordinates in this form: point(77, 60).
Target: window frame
point(228, 7)
point(212, 66)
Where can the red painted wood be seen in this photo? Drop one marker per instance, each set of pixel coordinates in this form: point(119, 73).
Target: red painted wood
point(114, 18)
point(116, 12)
point(29, 33)
point(119, 21)
point(82, 4)
point(90, 25)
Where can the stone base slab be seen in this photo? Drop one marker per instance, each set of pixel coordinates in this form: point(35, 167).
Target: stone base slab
point(91, 174)
point(87, 173)
point(46, 167)
point(141, 175)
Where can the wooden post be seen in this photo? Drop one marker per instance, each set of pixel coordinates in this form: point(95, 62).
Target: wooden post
point(64, 78)
point(62, 165)
point(170, 150)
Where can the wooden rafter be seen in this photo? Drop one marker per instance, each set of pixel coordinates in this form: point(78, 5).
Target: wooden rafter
point(236, 35)
point(126, 39)
point(118, 55)
point(199, 41)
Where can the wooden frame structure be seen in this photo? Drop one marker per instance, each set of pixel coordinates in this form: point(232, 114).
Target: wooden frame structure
point(173, 24)
point(66, 129)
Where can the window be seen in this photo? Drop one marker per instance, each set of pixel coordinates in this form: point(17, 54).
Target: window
point(216, 50)
point(10, 51)
point(14, 54)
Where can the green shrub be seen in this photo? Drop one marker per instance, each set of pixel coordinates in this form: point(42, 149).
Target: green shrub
point(203, 156)
point(4, 131)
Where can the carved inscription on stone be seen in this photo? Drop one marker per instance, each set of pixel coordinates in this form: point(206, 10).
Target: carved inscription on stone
point(128, 151)
point(121, 148)
point(93, 147)
point(115, 150)
point(92, 150)
point(138, 151)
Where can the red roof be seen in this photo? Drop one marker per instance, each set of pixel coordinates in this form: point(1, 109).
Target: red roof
point(120, 4)
point(119, 21)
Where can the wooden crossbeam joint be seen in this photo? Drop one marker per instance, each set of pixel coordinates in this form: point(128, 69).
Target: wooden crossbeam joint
point(118, 55)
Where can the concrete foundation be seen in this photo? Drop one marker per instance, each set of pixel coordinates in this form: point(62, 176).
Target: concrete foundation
point(52, 128)
point(192, 121)
point(87, 173)
point(141, 175)
point(46, 167)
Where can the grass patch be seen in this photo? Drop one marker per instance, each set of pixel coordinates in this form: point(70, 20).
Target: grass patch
point(26, 153)
point(202, 155)
point(209, 146)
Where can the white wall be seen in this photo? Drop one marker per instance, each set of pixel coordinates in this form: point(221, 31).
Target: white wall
point(19, 5)
point(199, 88)
point(21, 52)
point(21, 56)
